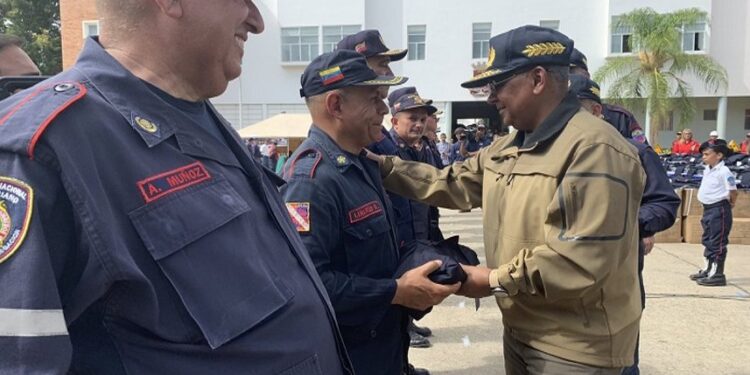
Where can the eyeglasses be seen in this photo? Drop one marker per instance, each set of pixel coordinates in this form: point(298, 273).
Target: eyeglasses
point(496, 86)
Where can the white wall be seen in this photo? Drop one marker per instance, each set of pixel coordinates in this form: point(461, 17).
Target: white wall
point(266, 80)
point(449, 40)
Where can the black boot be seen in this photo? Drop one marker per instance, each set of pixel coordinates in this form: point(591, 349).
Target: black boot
point(411, 370)
point(418, 341)
point(715, 275)
point(702, 272)
point(424, 331)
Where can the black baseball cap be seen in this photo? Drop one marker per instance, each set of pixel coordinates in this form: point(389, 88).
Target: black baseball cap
point(578, 60)
point(584, 88)
point(339, 69)
point(522, 48)
point(719, 145)
point(407, 98)
point(370, 43)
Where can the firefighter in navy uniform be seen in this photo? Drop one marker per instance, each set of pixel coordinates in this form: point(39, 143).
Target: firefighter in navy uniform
point(142, 237)
point(410, 112)
point(337, 201)
point(659, 203)
point(371, 45)
point(624, 121)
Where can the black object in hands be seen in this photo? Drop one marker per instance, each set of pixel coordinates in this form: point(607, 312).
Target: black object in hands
point(449, 251)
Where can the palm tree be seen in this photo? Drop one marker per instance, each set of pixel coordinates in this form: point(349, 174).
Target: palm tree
point(656, 69)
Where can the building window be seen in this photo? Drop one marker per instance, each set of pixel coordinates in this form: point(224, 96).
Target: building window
point(694, 37)
point(747, 119)
point(332, 35)
point(299, 44)
point(709, 115)
point(90, 28)
point(669, 126)
point(621, 37)
point(550, 24)
point(417, 38)
point(480, 37)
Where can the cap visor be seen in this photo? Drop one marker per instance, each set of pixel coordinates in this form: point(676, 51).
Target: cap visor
point(395, 54)
point(384, 81)
point(482, 79)
point(430, 109)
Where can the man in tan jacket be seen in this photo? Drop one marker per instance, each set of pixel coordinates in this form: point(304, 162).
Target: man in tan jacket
point(560, 202)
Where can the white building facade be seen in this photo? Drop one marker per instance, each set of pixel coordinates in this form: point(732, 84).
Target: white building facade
point(445, 37)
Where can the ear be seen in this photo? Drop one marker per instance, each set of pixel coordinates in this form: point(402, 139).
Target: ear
point(171, 8)
point(597, 110)
point(540, 78)
point(394, 121)
point(333, 104)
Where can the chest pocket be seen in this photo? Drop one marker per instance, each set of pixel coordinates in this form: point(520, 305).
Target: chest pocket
point(367, 247)
point(189, 234)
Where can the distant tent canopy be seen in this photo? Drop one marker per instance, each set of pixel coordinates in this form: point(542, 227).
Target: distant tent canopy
point(286, 125)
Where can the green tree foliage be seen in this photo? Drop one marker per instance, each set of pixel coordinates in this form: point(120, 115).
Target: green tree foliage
point(657, 68)
point(37, 22)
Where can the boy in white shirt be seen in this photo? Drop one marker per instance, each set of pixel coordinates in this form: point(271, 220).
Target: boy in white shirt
point(718, 192)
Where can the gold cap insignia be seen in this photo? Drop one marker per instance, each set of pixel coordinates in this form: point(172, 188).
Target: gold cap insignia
point(146, 125)
point(491, 57)
point(596, 91)
point(544, 49)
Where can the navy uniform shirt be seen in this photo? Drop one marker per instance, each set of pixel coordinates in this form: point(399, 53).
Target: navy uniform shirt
point(148, 246)
point(624, 121)
point(420, 212)
point(456, 151)
point(484, 142)
point(659, 203)
point(401, 206)
point(340, 208)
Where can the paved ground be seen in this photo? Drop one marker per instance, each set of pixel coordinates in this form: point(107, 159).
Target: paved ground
point(686, 329)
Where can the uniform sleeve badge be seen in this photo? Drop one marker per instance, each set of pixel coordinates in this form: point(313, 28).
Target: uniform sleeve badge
point(731, 180)
point(300, 214)
point(16, 203)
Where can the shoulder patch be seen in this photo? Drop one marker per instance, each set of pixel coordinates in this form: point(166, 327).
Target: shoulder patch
point(730, 180)
point(23, 120)
point(16, 204)
point(304, 164)
point(300, 215)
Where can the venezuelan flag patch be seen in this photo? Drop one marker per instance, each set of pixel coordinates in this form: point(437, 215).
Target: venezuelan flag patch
point(16, 205)
point(331, 75)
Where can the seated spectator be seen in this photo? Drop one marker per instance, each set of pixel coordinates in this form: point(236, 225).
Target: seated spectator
point(743, 146)
point(677, 138)
point(686, 145)
point(712, 137)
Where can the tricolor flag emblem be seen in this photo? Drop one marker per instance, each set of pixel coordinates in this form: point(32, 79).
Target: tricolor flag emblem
point(331, 75)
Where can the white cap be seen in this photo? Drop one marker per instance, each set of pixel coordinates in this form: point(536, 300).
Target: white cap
point(713, 133)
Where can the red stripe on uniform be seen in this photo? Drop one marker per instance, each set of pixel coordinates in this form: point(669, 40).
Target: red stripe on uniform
point(38, 133)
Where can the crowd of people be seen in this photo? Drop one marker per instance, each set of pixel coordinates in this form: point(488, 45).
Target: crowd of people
point(139, 234)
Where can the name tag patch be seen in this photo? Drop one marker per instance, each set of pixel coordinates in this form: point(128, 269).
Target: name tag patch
point(300, 214)
point(163, 184)
point(363, 212)
point(16, 203)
